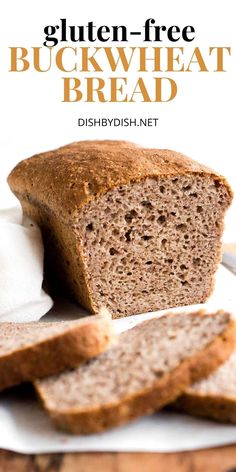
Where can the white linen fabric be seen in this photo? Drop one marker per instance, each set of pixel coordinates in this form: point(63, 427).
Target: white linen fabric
point(22, 298)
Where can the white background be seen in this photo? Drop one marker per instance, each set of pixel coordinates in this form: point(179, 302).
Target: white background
point(199, 122)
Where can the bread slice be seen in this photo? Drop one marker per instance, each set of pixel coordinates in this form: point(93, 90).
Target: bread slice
point(134, 229)
point(151, 365)
point(38, 349)
point(213, 397)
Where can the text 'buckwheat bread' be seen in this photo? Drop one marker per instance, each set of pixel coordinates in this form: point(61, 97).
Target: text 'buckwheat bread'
point(134, 229)
point(213, 397)
point(149, 367)
point(34, 350)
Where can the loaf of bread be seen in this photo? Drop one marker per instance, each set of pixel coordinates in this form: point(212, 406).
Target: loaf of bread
point(150, 365)
point(213, 397)
point(34, 350)
point(133, 229)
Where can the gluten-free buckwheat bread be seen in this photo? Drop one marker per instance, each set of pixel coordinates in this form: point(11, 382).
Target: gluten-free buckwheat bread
point(34, 350)
point(150, 365)
point(213, 397)
point(131, 228)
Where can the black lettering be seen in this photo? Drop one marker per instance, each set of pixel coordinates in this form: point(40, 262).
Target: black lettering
point(172, 30)
point(123, 30)
point(90, 28)
point(50, 40)
point(63, 29)
point(186, 31)
point(101, 31)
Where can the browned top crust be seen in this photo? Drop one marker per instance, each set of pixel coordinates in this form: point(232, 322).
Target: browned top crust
point(67, 178)
point(98, 143)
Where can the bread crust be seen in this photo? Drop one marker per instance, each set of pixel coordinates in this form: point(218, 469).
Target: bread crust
point(166, 390)
point(54, 186)
point(98, 143)
point(78, 173)
point(215, 407)
point(63, 350)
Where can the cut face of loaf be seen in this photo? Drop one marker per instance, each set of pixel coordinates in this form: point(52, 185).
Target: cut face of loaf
point(154, 244)
point(150, 365)
point(134, 229)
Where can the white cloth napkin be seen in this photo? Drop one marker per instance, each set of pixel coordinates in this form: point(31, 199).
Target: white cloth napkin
point(21, 269)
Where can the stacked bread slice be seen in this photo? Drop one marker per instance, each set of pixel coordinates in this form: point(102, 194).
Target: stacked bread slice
point(140, 371)
point(36, 350)
point(213, 397)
